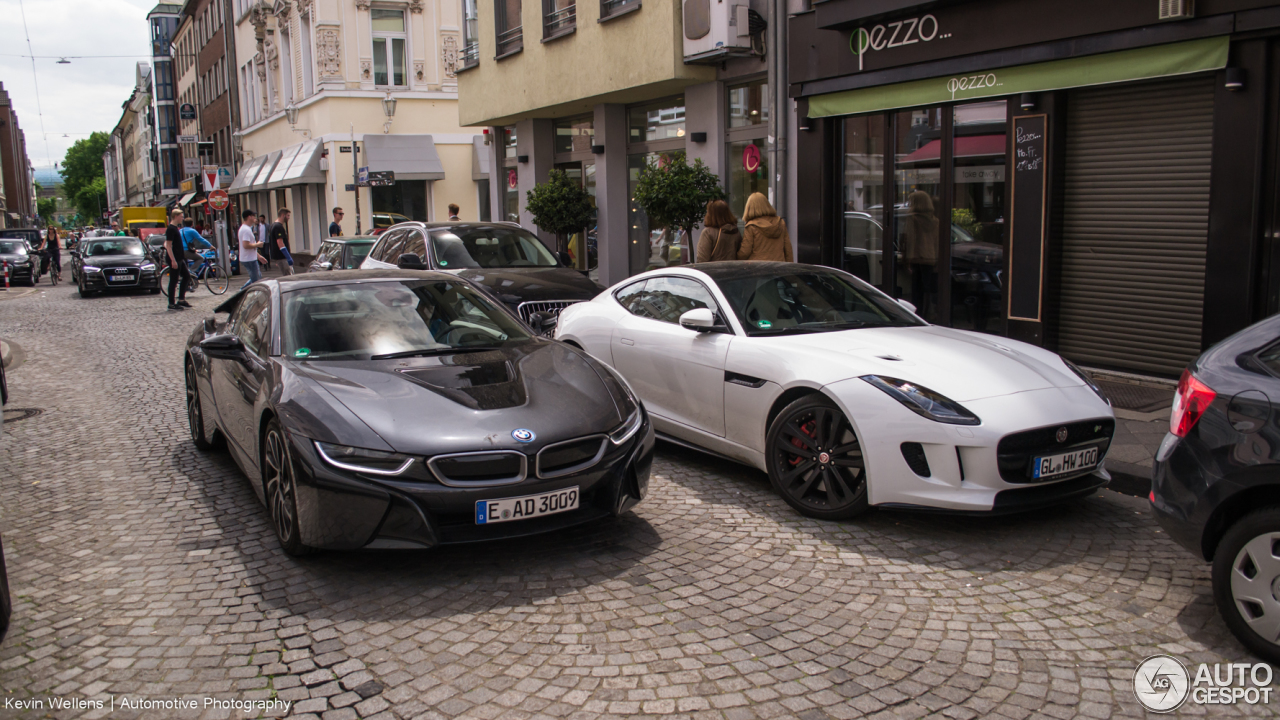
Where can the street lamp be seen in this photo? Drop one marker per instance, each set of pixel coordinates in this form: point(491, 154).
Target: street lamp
point(291, 114)
point(388, 109)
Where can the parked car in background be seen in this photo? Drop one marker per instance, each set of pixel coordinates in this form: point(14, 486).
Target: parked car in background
point(382, 221)
point(843, 396)
point(342, 253)
point(1216, 478)
point(395, 409)
point(509, 262)
point(21, 260)
point(113, 263)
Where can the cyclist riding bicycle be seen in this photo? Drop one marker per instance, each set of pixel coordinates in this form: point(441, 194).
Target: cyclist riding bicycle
point(193, 242)
point(51, 252)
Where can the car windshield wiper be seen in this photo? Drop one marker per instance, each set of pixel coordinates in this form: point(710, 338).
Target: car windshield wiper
point(424, 352)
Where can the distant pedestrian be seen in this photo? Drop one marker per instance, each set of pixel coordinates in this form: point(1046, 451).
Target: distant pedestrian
point(720, 237)
point(453, 212)
point(249, 244)
point(279, 241)
point(765, 237)
point(335, 227)
point(263, 230)
point(115, 229)
point(175, 255)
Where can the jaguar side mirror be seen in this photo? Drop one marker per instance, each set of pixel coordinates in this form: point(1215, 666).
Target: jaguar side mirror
point(702, 320)
point(543, 322)
point(410, 261)
point(223, 347)
point(910, 308)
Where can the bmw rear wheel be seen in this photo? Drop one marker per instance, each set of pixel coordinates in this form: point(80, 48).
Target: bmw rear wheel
point(1246, 582)
point(195, 414)
point(815, 460)
point(280, 489)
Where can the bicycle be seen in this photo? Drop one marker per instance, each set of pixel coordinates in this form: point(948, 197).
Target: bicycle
point(214, 278)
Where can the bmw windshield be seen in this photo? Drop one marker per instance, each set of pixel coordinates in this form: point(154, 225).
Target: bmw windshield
point(809, 301)
point(383, 320)
point(489, 247)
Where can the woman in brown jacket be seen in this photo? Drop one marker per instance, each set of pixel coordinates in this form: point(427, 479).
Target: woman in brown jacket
point(720, 237)
point(766, 235)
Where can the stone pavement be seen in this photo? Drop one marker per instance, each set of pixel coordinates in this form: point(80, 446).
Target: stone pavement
point(144, 569)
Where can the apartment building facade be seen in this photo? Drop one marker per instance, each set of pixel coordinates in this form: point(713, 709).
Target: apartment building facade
point(17, 192)
point(328, 87)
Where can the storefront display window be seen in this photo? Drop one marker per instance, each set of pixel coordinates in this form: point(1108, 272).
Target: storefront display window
point(863, 198)
point(651, 247)
point(918, 207)
point(978, 226)
point(661, 120)
point(511, 199)
point(574, 134)
point(509, 142)
point(747, 104)
point(406, 199)
point(748, 172)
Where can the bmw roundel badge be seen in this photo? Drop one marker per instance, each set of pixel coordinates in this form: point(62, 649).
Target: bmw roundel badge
point(523, 435)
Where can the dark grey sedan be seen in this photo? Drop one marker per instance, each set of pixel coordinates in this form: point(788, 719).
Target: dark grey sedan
point(23, 264)
point(399, 409)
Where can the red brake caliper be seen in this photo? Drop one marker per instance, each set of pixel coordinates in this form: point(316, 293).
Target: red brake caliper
point(808, 429)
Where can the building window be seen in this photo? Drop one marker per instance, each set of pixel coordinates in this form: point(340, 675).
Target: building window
point(509, 30)
point(746, 160)
point(510, 209)
point(559, 17)
point(747, 104)
point(470, 33)
point(484, 204)
point(308, 81)
point(388, 46)
point(574, 135)
point(609, 8)
point(661, 120)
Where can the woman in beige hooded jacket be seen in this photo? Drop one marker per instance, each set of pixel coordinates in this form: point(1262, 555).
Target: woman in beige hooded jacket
point(765, 237)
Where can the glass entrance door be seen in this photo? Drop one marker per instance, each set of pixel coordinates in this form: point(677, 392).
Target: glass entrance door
point(582, 246)
point(978, 237)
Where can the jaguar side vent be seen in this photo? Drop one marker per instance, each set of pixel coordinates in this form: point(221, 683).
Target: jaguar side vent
point(913, 453)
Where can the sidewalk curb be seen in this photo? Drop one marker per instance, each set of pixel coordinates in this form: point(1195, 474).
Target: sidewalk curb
point(11, 355)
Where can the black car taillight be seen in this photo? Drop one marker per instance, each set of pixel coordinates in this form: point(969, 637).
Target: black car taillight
point(1190, 402)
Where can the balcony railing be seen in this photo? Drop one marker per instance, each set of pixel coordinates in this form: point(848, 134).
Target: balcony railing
point(559, 22)
point(511, 41)
point(471, 54)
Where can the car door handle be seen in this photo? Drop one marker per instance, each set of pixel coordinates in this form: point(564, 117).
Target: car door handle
point(626, 341)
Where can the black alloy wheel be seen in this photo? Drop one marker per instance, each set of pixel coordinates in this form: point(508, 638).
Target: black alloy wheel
point(83, 292)
point(1246, 582)
point(815, 460)
point(280, 489)
point(195, 414)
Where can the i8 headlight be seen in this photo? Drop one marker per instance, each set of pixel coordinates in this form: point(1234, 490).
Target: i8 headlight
point(628, 428)
point(1087, 380)
point(923, 401)
point(372, 462)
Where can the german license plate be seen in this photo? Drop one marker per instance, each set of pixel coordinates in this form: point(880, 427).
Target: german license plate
point(1061, 464)
point(529, 506)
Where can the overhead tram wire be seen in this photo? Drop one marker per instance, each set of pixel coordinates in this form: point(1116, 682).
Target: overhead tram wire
point(36, 78)
point(72, 57)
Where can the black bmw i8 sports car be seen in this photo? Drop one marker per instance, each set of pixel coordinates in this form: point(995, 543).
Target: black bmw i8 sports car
point(402, 409)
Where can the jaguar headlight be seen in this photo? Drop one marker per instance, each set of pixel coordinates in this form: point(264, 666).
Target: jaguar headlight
point(1087, 380)
point(923, 401)
point(361, 460)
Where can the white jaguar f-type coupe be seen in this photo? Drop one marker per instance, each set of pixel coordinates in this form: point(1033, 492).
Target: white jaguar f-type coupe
point(844, 396)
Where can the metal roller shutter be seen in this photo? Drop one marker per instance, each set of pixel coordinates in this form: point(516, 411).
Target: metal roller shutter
point(1135, 224)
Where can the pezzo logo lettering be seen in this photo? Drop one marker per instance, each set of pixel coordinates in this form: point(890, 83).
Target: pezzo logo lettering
point(894, 34)
point(1161, 683)
point(523, 435)
point(971, 82)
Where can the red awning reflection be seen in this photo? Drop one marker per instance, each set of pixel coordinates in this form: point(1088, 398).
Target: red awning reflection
point(966, 146)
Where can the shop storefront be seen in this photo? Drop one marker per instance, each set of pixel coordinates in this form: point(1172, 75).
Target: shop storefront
point(1085, 178)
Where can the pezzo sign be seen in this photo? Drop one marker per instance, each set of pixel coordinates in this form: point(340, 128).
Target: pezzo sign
point(894, 34)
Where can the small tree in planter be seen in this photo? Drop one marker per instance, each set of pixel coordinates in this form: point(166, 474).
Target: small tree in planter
point(675, 194)
point(560, 206)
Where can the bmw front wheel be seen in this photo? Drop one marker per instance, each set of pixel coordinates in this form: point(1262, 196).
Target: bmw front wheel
point(815, 460)
point(280, 489)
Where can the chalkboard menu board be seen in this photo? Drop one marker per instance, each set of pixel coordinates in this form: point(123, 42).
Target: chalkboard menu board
point(1027, 217)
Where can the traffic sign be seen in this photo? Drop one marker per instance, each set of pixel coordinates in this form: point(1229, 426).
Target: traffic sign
point(189, 139)
point(218, 200)
point(362, 175)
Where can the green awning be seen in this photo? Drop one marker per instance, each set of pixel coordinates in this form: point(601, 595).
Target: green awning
point(1139, 64)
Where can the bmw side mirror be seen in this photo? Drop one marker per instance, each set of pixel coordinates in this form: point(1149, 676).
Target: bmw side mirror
point(410, 261)
point(223, 347)
point(910, 308)
point(702, 320)
point(210, 324)
point(543, 322)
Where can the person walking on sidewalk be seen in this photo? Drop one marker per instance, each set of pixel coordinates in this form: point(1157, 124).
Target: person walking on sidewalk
point(175, 255)
point(765, 237)
point(249, 244)
point(279, 238)
point(335, 227)
point(720, 237)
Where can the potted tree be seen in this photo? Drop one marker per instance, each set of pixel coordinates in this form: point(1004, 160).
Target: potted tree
point(674, 194)
point(560, 206)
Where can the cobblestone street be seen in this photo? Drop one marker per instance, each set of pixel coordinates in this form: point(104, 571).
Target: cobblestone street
point(143, 568)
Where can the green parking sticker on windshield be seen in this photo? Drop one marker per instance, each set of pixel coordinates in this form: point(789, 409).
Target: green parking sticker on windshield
point(302, 352)
point(764, 324)
point(444, 262)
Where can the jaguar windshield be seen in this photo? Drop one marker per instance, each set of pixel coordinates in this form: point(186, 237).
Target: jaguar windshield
point(115, 246)
point(383, 320)
point(807, 301)
point(489, 247)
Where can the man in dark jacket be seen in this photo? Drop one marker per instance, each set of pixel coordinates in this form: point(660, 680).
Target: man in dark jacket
point(175, 256)
point(278, 240)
